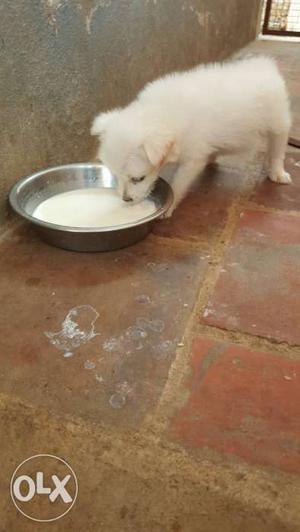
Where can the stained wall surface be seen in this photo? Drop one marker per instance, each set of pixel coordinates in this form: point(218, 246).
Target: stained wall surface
point(61, 61)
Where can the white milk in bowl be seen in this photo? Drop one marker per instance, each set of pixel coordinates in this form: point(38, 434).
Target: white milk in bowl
point(92, 207)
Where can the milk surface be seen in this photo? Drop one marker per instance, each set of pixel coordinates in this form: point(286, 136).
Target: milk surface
point(91, 207)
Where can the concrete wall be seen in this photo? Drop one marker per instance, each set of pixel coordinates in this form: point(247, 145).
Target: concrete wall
point(61, 61)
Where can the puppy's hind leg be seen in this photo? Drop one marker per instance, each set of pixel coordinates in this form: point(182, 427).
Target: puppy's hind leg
point(277, 146)
point(183, 179)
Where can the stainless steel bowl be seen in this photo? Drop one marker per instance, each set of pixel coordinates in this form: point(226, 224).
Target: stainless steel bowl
point(29, 192)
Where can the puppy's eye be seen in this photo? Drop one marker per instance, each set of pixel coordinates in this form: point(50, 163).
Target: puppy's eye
point(136, 180)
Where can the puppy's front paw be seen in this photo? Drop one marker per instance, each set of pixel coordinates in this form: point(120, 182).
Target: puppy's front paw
point(167, 214)
point(281, 177)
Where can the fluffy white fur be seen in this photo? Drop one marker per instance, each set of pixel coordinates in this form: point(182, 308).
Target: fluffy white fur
point(190, 118)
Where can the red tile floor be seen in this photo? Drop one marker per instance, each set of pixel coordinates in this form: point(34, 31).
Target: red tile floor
point(181, 392)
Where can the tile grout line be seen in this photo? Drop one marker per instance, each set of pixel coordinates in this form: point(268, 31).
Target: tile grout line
point(250, 341)
point(179, 368)
point(252, 205)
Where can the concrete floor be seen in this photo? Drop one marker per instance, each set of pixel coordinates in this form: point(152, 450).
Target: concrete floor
point(178, 404)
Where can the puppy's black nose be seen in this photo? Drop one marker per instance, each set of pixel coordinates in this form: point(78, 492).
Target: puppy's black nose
point(126, 198)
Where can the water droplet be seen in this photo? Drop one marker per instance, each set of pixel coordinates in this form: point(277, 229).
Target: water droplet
point(143, 298)
point(142, 323)
point(110, 344)
point(117, 400)
point(156, 325)
point(123, 388)
point(136, 332)
point(162, 350)
point(139, 346)
point(68, 354)
point(89, 365)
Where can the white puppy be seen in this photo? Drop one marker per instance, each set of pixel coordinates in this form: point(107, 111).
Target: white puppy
point(190, 118)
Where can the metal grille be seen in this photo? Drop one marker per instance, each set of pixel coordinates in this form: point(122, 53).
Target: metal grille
point(282, 17)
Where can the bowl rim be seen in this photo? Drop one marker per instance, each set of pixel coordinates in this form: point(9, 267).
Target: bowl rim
point(13, 200)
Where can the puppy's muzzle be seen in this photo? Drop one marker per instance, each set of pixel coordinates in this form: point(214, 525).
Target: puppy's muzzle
point(126, 197)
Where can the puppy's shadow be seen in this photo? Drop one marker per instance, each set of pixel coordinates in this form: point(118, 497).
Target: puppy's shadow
point(210, 175)
point(224, 178)
point(209, 179)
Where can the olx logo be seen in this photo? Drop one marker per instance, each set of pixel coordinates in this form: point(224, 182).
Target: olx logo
point(44, 487)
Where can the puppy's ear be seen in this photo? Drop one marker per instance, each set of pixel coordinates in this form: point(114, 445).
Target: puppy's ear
point(102, 121)
point(158, 147)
